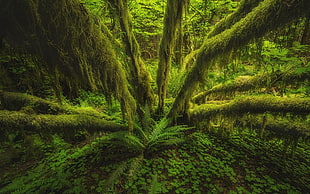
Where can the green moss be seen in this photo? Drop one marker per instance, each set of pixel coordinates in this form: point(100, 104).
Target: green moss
point(252, 83)
point(77, 52)
point(254, 104)
point(46, 125)
point(139, 77)
point(173, 16)
point(21, 101)
point(267, 16)
point(280, 127)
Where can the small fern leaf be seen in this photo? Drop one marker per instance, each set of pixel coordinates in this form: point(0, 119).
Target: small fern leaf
point(155, 186)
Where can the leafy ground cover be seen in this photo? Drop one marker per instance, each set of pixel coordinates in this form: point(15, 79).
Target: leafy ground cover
point(205, 163)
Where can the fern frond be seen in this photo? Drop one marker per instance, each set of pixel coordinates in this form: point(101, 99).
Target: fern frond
point(155, 186)
point(163, 136)
point(122, 138)
point(141, 133)
point(115, 175)
point(159, 127)
point(135, 165)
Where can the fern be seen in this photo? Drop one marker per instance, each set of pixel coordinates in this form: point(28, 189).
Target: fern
point(155, 186)
point(123, 139)
point(115, 175)
point(135, 165)
point(163, 136)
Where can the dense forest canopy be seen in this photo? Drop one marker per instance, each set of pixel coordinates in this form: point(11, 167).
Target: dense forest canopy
point(113, 86)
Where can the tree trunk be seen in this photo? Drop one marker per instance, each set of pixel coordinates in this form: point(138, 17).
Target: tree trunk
point(139, 77)
point(173, 16)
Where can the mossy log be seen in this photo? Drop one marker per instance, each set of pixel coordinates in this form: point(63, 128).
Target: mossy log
point(249, 83)
point(66, 126)
point(17, 101)
point(253, 104)
point(267, 16)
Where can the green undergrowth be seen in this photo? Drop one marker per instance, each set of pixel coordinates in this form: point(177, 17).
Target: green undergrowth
point(205, 163)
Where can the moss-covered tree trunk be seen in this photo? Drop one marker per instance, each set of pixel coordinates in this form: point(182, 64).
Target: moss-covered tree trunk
point(78, 54)
point(173, 16)
point(139, 77)
point(268, 15)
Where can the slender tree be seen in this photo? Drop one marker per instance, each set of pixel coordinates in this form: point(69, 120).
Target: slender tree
point(139, 77)
point(172, 19)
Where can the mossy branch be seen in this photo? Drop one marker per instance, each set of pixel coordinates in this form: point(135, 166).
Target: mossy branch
point(46, 125)
point(139, 77)
point(250, 83)
point(253, 104)
point(172, 18)
point(283, 128)
point(245, 7)
point(267, 16)
point(17, 101)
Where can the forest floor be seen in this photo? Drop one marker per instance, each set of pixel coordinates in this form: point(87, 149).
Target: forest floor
point(241, 163)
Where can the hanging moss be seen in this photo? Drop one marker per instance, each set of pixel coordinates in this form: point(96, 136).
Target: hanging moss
point(251, 83)
point(65, 125)
point(78, 54)
point(172, 18)
point(139, 77)
point(268, 15)
point(272, 117)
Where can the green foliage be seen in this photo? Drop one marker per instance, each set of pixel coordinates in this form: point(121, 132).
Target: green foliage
point(155, 157)
point(87, 98)
point(203, 164)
